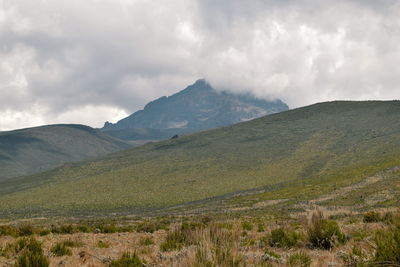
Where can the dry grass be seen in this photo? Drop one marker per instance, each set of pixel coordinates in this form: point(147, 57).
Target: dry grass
point(216, 243)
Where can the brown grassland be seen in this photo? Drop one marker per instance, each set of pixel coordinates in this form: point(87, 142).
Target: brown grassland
point(314, 240)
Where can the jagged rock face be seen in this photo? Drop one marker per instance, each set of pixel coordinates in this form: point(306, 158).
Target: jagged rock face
point(198, 107)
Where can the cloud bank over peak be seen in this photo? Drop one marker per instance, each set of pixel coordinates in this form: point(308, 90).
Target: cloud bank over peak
point(97, 60)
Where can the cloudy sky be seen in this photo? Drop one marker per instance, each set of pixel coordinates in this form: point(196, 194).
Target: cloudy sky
point(90, 61)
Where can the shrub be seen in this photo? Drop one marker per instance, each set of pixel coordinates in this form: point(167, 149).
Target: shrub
point(127, 260)
point(83, 228)
point(12, 248)
point(360, 234)
point(6, 250)
point(247, 226)
point(63, 229)
point(391, 218)
point(146, 227)
point(25, 230)
point(8, 230)
point(388, 245)
point(124, 229)
point(202, 258)
point(60, 249)
point(217, 256)
point(180, 237)
point(300, 259)
point(146, 241)
point(70, 243)
point(32, 255)
point(191, 226)
point(174, 241)
point(223, 225)
point(270, 256)
point(20, 244)
point(355, 258)
point(103, 244)
point(247, 242)
point(372, 216)
point(324, 233)
point(282, 237)
point(263, 242)
point(107, 229)
point(214, 246)
point(224, 257)
point(260, 228)
point(21, 230)
point(206, 220)
point(221, 236)
point(44, 232)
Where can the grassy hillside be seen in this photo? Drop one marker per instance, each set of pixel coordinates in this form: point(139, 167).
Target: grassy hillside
point(292, 156)
point(137, 134)
point(33, 150)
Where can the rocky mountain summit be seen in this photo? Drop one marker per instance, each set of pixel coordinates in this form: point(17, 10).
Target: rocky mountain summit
point(198, 107)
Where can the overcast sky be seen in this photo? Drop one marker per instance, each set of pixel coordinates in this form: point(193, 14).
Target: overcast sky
point(91, 61)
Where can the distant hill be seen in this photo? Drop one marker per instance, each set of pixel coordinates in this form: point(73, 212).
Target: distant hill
point(198, 107)
point(284, 158)
point(32, 150)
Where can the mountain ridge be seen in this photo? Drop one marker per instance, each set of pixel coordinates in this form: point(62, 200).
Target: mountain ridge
point(29, 150)
point(197, 107)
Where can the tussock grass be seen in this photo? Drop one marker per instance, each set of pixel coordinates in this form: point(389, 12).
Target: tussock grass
point(356, 258)
point(63, 248)
point(103, 244)
point(32, 255)
point(128, 260)
point(323, 233)
point(191, 242)
point(182, 235)
point(285, 237)
point(372, 216)
point(146, 241)
point(152, 226)
point(299, 259)
point(388, 245)
point(60, 249)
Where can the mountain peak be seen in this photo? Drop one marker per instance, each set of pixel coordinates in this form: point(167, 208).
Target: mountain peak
point(199, 85)
point(198, 107)
point(201, 82)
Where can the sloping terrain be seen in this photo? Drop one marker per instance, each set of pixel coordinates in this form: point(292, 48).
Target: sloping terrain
point(198, 107)
point(292, 156)
point(145, 134)
point(32, 150)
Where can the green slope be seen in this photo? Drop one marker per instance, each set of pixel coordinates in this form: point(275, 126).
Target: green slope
point(145, 134)
point(302, 152)
point(33, 150)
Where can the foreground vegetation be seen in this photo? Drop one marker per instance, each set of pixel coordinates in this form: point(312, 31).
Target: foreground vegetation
point(352, 240)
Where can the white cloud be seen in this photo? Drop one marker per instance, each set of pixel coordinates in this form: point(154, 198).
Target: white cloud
point(98, 60)
point(12, 119)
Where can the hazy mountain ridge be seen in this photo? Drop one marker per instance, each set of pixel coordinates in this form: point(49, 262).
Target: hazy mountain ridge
point(31, 150)
point(198, 107)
